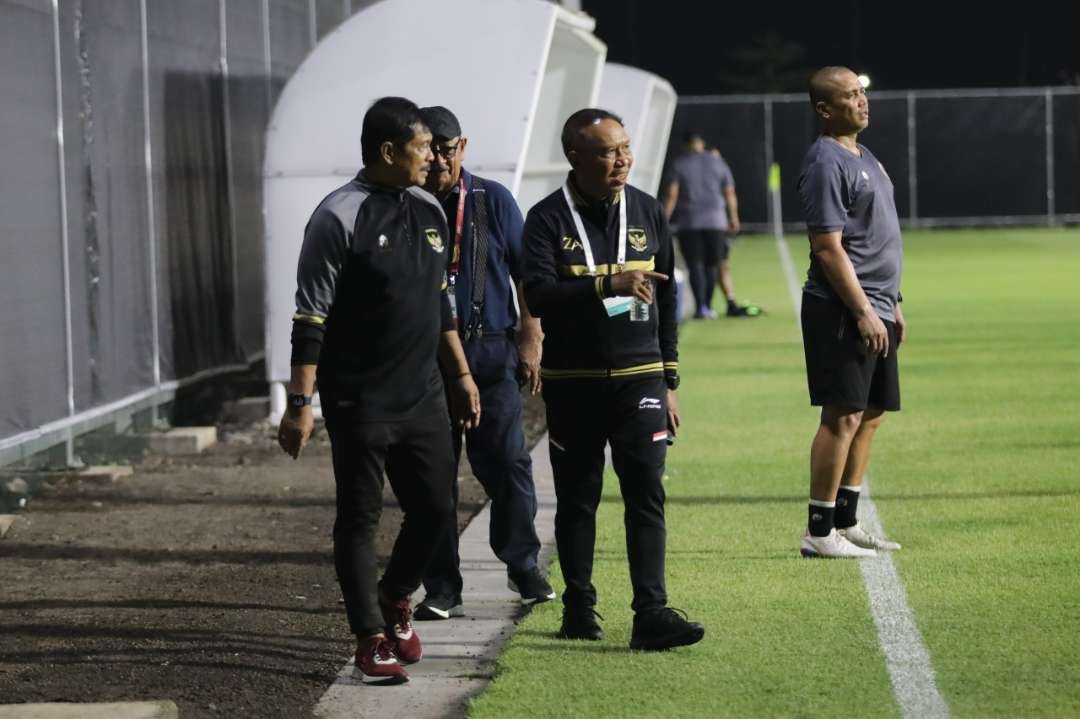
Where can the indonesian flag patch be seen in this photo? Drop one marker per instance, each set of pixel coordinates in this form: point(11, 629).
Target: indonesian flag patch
point(659, 436)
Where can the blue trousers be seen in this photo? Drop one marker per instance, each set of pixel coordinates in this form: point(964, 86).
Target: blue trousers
point(500, 461)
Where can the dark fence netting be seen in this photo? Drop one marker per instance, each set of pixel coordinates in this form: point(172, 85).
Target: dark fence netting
point(112, 331)
point(1066, 111)
point(969, 157)
point(328, 15)
point(249, 107)
point(184, 219)
point(981, 156)
point(32, 336)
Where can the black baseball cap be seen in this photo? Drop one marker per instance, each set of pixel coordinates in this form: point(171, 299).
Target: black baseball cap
point(442, 123)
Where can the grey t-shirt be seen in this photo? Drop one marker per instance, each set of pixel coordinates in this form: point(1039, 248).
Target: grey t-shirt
point(702, 178)
point(854, 195)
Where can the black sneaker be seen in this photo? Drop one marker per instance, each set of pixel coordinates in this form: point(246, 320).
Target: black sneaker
point(580, 623)
point(439, 606)
point(664, 628)
point(531, 585)
point(744, 309)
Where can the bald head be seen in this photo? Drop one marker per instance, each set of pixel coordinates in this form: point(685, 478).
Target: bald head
point(825, 82)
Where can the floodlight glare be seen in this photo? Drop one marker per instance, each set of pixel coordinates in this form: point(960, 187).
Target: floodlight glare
point(864, 80)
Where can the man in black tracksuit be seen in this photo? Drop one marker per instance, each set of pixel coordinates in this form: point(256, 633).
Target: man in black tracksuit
point(598, 262)
point(371, 312)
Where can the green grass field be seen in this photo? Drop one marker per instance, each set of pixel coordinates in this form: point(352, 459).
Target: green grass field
point(978, 477)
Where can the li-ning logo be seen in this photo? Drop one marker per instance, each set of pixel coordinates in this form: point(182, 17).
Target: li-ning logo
point(649, 403)
point(434, 239)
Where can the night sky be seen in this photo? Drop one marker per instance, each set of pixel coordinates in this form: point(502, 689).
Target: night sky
point(721, 47)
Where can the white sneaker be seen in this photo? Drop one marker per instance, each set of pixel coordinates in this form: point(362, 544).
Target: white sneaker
point(857, 535)
point(832, 545)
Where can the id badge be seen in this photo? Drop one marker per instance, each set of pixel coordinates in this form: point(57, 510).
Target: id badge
point(616, 306)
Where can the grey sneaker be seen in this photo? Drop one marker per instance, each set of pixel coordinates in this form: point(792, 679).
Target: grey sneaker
point(857, 535)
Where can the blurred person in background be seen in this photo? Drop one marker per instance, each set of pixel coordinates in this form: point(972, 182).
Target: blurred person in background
point(700, 200)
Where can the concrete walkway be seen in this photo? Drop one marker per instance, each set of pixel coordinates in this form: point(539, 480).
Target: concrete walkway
point(459, 654)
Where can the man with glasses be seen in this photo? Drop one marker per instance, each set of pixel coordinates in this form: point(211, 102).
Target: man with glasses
point(484, 261)
point(598, 268)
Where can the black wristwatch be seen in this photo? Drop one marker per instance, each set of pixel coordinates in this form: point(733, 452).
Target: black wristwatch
point(672, 382)
point(298, 401)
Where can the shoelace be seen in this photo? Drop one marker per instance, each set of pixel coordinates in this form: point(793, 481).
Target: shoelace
point(404, 615)
point(667, 613)
point(384, 650)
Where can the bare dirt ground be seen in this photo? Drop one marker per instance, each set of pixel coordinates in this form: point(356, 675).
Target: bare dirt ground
point(206, 579)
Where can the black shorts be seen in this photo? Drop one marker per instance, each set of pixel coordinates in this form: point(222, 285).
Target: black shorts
point(708, 246)
point(840, 370)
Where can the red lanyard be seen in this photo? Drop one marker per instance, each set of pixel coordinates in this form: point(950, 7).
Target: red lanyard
point(459, 223)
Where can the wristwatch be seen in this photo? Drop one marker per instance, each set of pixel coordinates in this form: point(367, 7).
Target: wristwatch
point(297, 401)
point(672, 381)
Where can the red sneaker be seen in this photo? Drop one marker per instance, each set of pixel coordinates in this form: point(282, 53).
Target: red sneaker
point(399, 629)
point(375, 659)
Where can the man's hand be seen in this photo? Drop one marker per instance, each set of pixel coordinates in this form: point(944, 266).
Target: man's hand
point(873, 332)
point(529, 351)
point(466, 402)
point(636, 283)
point(733, 226)
point(673, 417)
point(295, 430)
point(901, 326)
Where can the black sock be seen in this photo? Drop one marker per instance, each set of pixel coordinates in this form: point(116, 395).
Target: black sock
point(847, 502)
point(821, 517)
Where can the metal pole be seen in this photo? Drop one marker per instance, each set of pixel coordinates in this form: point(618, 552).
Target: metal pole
point(313, 24)
point(913, 174)
point(268, 65)
point(1051, 200)
point(69, 352)
point(151, 217)
point(230, 184)
point(768, 108)
point(346, 5)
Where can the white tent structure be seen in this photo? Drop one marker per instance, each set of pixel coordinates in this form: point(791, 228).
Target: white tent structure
point(511, 70)
point(646, 103)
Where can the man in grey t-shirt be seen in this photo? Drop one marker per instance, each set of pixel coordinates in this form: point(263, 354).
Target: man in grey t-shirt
point(851, 318)
point(701, 200)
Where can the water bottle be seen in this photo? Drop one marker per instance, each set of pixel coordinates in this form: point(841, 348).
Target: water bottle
point(639, 309)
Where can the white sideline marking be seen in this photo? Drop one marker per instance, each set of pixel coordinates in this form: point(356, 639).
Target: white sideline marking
point(906, 657)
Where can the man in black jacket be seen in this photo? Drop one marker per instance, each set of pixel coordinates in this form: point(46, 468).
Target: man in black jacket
point(599, 258)
point(371, 313)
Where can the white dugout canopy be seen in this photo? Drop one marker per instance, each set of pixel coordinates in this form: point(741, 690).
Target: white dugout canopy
point(646, 103)
point(511, 70)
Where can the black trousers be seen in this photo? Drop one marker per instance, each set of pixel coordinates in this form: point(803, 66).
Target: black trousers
point(703, 250)
point(419, 463)
point(501, 463)
point(631, 415)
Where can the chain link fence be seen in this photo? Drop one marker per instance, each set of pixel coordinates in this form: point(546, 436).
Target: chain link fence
point(956, 157)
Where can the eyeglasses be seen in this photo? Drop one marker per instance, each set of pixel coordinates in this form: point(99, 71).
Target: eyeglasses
point(447, 152)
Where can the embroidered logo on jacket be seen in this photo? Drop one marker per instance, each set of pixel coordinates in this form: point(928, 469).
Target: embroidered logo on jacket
point(434, 239)
point(637, 238)
point(571, 243)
